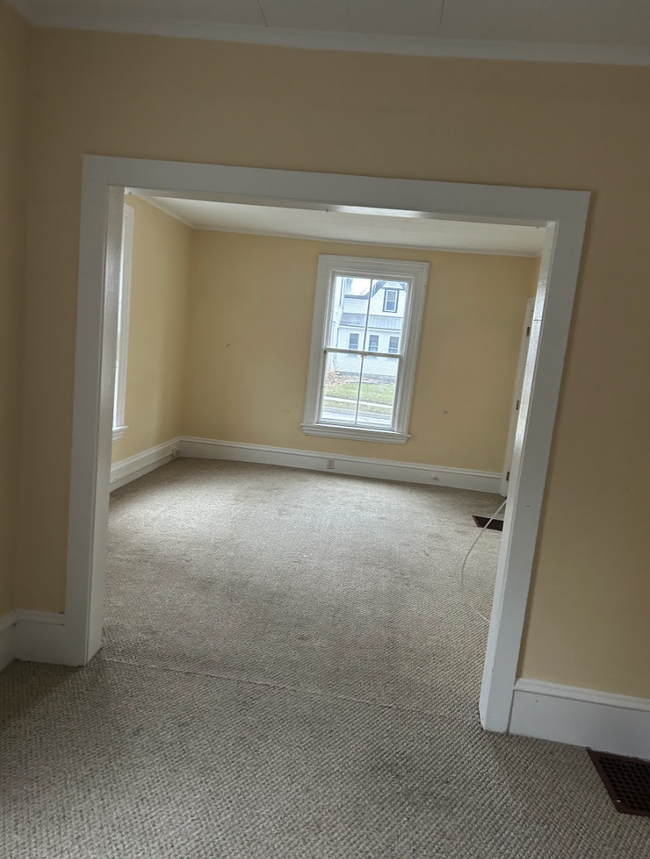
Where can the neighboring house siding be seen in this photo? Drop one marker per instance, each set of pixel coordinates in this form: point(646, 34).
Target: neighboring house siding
point(382, 324)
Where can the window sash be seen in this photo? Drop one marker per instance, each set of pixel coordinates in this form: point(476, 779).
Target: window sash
point(362, 355)
point(326, 308)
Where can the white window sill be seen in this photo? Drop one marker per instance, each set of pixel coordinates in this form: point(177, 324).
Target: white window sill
point(118, 432)
point(356, 433)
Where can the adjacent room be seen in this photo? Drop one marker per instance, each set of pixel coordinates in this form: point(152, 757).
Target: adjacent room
point(237, 558)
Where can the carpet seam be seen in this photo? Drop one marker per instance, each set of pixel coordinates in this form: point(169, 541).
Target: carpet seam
point(280, 688)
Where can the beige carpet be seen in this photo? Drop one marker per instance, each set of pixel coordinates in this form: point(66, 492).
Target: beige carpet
point(288, 672)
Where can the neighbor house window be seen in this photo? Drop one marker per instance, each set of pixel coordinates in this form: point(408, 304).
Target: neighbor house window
point(391, 300)
point(363, 391)
point(124, 297)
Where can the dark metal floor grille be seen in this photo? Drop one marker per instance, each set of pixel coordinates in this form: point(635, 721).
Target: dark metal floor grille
point(495, 524)
point(627, 781)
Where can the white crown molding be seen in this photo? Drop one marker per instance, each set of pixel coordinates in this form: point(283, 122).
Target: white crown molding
point(544, 52)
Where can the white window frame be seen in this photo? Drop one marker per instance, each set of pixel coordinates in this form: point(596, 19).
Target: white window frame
point(119, 401)
point(329, 266)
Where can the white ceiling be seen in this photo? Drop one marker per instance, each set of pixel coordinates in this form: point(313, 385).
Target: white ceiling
point(409, 232)
point(535, 29)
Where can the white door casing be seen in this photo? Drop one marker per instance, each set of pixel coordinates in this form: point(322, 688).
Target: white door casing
point(516, 400)
point(563, 213)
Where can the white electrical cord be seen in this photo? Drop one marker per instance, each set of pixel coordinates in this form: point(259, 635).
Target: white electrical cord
point(462, 569)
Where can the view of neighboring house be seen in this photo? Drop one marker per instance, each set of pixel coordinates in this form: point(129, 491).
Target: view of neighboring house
point(368, 316)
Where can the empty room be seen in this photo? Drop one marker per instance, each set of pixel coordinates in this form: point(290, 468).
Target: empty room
point(284, 577)
point(325, 420)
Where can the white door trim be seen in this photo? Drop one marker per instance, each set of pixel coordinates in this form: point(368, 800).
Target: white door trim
point(516, 399)
point(104, 181)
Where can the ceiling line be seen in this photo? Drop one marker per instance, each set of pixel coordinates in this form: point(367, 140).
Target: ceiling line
point(545, 52)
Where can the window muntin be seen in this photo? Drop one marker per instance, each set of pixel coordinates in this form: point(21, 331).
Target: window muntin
point(364, 391)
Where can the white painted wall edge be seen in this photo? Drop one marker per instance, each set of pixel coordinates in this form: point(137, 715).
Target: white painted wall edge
point(34, 636)
point(581, 717)
point(126, 470)
point(410, 472)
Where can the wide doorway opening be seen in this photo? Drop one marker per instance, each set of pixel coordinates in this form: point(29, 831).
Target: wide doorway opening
point(558, 215)
point(367, 363)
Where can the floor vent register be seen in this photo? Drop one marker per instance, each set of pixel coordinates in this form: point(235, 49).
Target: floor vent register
point(627, 781)
point(482, 521)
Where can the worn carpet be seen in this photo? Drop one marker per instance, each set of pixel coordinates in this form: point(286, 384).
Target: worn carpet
point(288, 671)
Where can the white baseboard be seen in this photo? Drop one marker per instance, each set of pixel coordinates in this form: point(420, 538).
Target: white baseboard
point(126, 470)
point(582, 717)
point(34, 636)
point(459, 478)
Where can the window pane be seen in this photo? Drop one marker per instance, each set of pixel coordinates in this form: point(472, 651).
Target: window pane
point(349, 310)
point(393, 345)
point(390, 301)
point(353, 342)
point(373, 343)
point(386, 318)
point(341, 388)
point(378, 385)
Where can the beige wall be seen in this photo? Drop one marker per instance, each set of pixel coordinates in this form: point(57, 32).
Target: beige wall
point(542, 125)
point(157, 329)
point(250, 334)
point(14, 103)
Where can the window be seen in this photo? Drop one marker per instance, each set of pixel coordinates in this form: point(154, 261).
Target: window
point(362, 391)
point(124, 297)
point(391, 300)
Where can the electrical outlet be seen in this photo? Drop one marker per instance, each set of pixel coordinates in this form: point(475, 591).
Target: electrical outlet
point(330, 464)
point(176, 452)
